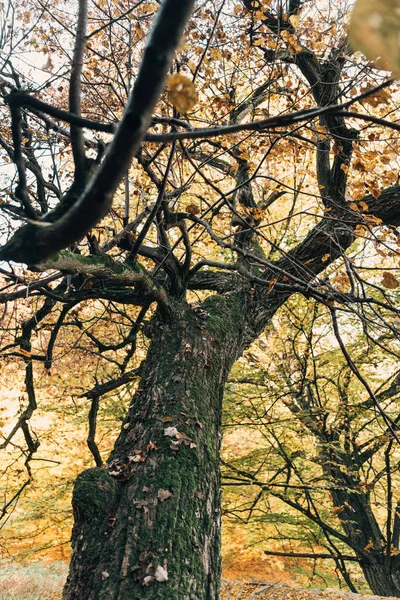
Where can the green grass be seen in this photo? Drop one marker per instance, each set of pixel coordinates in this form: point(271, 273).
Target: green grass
point(35, 581)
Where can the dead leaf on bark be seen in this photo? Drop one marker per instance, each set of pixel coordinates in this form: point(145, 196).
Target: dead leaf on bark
point(163, 495)
point(135, 458)
point(161, 574)
point(170, 431)
point(151, 446)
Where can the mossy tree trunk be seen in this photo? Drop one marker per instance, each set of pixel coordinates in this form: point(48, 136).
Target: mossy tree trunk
point(148, 526)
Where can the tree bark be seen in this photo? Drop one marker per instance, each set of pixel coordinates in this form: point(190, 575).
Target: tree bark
point(381, 571)
point(383, 578)
point(148, 525)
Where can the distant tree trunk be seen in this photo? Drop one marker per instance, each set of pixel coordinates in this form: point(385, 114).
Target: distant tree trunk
point(383, 578)
point(381, 568)
point(148, 526)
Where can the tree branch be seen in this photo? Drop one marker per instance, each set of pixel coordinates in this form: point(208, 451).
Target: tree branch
point(32, 244)
point(311, 555)
point(75, 90)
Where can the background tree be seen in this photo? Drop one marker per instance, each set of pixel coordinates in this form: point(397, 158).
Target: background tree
point(203, 218)
point(320, 447)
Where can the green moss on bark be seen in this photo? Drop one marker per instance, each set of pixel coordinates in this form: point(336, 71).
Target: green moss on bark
point(94, 494)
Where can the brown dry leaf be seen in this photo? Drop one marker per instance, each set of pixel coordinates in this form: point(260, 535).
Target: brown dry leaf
point(193, 209)
point(167, 419)
point(375, 99)
point(389, 281)
point(337, 510)
point(372, 219)
point(358, 165)
point(181, 93)
point(151, 446)
point(374, 30)
point(376, 192)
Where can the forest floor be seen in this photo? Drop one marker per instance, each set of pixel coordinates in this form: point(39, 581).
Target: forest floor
point(232, 590)
point(41, 581)
point(235, 590)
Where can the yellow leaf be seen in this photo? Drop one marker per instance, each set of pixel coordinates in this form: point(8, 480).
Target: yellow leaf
point(389, 281)
point(374, 30)
point(181, 92)
point(360, 230)
point(363, 205)
point(320, 132)
point(294, 21)
point(354, 206)
point(259, 15)
point(337, 510)
point(372, 219)
point(291, 41)
point(325, 257)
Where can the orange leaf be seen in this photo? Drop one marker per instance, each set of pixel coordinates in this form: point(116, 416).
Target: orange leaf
point(389, 281)
point(193, 209)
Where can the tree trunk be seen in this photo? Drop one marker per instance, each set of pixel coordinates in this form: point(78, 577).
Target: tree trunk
point(383, 577)
point(148, 526)
point(381, 572)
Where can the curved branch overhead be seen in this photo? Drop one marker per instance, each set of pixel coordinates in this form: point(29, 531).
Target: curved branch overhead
point(32, 243)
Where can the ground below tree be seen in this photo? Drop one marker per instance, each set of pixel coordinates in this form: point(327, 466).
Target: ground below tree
point(264, 590)
point(235, 590)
